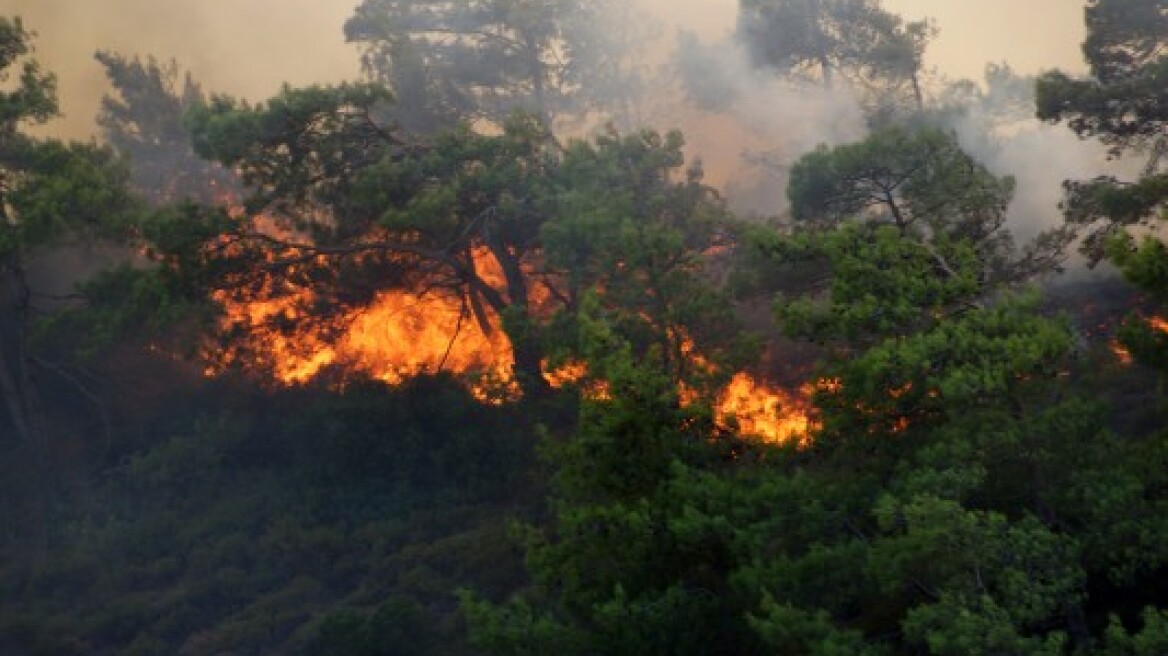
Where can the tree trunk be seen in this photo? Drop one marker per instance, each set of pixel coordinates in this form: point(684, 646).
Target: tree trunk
point(14, 399)
point(526, 346)
point(16, 382)
point(528, 352)
point(19, 390)
point(538, 85)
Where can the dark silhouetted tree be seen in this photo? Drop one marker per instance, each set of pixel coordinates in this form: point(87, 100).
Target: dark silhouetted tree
point(143, 120)
point(449, 62)
point(825, 39)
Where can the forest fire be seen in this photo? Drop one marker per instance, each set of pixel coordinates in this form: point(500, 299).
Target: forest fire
point(769, 413)
point(402, 334)
point(398, 335)
point(1121, 352)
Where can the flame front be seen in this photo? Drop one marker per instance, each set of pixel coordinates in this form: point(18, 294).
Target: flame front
point(398, 335)
point(402, 334)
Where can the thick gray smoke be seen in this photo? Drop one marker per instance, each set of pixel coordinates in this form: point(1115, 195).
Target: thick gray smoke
point(250, 47)
point(999, 129)
point(1040, 157)
point(747, 125)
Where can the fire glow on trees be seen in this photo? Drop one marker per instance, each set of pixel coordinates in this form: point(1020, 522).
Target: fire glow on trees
point(770, 413)
point(398, 334)
point(1123, 354)
point(401, 333)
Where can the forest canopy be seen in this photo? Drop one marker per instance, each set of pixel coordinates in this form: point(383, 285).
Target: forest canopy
point(466, 357)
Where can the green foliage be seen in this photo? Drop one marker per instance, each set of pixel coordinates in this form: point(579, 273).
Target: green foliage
point(615, 216)
point(978, 626)
point(301, 144)
point(484, 60)
point(950, 553)
point(397, 627)
point(993, 526)
point(1124, 103)
point(304, 522)
point(923, 183)
point(1152, 638)
point(53, 194)
point(462, 62)
point(166, 301)
point(35, 97)
point(911, 177)
point(1103, 208)
point(143, 121)
point(883, 285)
point(953, 500)
point(790, 630)
point(822, 38)
point(1146, 265)
point(957, 496)
point(632, 562)
point(633, 237)
point(1123, 106)
point(1126, 113)
point(52, 187)
point(791, 35)
point(987, 359)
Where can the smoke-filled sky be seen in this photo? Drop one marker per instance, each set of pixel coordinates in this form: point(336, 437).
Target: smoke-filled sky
point(250, 47)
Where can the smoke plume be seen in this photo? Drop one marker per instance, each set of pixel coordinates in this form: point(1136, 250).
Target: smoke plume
point(249, 48)
point(999, 129)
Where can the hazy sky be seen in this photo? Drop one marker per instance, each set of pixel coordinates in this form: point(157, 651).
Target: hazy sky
point(1032, 35)
point(250, 47)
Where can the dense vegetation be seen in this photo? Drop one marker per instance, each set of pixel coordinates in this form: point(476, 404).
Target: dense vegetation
point(981, 474)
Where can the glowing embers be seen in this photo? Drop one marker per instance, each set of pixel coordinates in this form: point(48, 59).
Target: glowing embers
point(750, 407)
point(1122, 353)
point(575, 373)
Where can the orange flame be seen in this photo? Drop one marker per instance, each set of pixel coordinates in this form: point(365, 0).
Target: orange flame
point(402, 334)
point(769, 413)
point(1122, 353)
point(752, 407)
point(397, 335)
